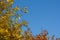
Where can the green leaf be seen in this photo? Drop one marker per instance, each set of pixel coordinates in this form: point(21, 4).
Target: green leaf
point(25, 10)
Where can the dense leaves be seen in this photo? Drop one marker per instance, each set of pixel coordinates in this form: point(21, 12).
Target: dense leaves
point(10, 29)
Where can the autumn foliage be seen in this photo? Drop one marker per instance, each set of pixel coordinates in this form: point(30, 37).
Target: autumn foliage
point(11, 27)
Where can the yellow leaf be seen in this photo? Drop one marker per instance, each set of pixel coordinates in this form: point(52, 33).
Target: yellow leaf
point(4, 17)
point(9, 0)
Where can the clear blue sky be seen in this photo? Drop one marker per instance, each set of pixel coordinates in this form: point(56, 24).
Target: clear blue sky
point(43, 14)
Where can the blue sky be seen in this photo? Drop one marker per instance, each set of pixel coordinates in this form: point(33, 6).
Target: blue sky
point(43, 14)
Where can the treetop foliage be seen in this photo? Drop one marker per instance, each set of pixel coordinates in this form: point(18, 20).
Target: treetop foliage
point(11, 29)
